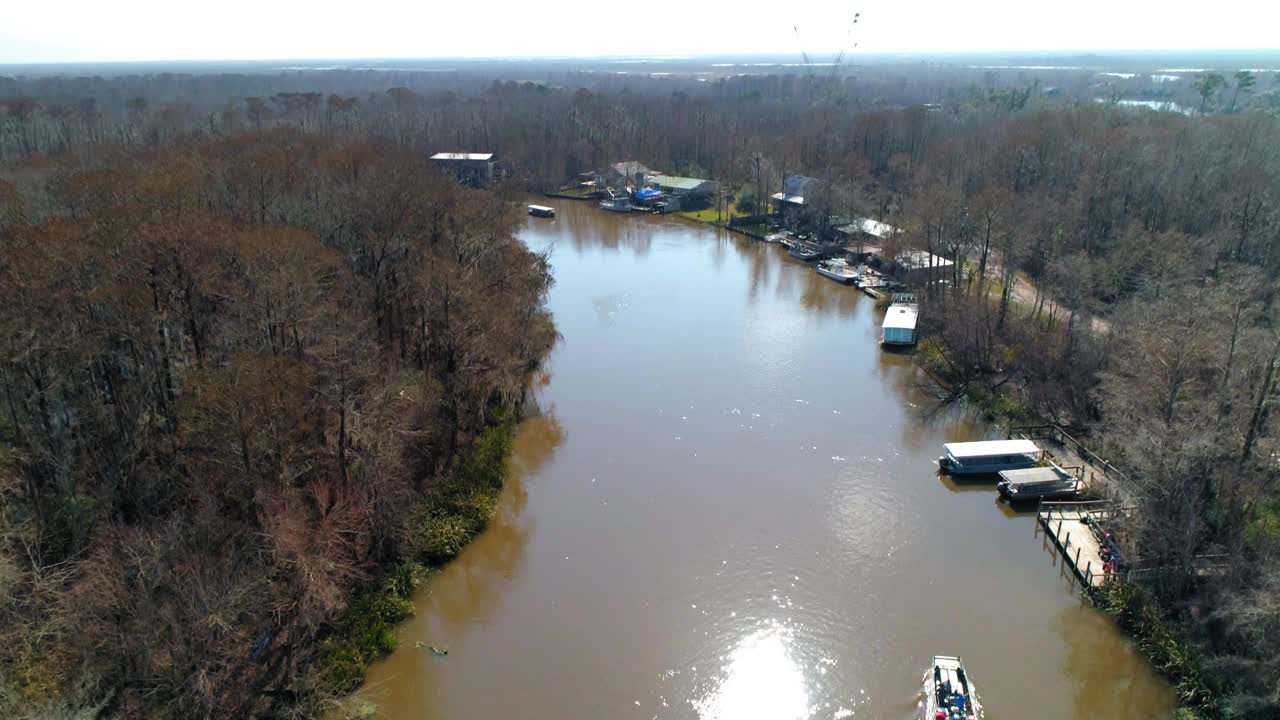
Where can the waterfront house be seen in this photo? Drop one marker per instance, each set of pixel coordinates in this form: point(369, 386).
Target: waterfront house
point(794, 188)
point(627, 172)
point(865, 234)
point(919, 267)
point(675, 185)
point(690, 191)
point(471, 168)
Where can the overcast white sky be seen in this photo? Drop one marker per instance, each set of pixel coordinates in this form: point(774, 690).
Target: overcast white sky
point(103, 30)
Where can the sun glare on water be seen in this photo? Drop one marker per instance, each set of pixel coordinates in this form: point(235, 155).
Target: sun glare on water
point(762, 681)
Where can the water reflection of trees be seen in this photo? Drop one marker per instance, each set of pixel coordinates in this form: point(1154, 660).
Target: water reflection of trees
point(770, 268)
point(586, 227)
point(1108, 677)
point(468, 590)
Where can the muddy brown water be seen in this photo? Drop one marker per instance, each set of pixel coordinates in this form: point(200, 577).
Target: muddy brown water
point(729, 509)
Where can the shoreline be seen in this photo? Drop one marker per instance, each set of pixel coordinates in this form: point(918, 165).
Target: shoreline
point(459, 510)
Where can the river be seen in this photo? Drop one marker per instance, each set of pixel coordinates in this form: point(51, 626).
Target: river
point(729, 510)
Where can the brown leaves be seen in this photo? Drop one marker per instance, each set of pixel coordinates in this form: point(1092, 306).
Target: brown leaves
point(235, 370)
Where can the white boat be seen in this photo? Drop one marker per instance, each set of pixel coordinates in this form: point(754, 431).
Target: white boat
point(988, 457)
point(1038, 483)
point(949, 693)
point(617, 203)
point(899, 326)
point(542, 211)
point(775, 237)
point(838, 270)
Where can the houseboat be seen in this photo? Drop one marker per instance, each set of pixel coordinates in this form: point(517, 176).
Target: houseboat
point(1038, 483)
point(805, 252)
point(616, 203)
point(542, 211)
point(899, 326)
point(838, 270)
point(988, 457)
point(949, 693)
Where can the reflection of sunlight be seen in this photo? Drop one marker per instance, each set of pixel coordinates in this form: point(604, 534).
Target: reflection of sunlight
point(761, 681)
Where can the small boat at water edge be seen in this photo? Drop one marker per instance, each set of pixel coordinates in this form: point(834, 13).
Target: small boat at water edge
point(949, 693)
point(542, 211)
point(805, 252)
point(838, 270)
point(775, 237)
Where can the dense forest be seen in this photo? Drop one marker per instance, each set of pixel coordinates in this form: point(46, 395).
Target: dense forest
point(246, 334)
point(237, 372)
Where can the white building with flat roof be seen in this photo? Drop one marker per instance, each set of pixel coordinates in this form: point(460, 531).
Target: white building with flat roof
point(468, 167)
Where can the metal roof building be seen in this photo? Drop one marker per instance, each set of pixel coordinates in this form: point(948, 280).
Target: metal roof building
point(478, 157)
point(675, 185)
point(468, 167)
point(867, 226)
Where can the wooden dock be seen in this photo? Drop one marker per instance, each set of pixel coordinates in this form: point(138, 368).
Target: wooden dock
point(1067, 524)
point(1071, 455)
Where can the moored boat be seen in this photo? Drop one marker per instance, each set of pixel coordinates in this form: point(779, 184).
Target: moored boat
point(838, 270)
point(949, 693)
point(617, 203)
point(805, 252)
point(988, 457)
point(1038, 483)
point(542, 211)
point(899, 325)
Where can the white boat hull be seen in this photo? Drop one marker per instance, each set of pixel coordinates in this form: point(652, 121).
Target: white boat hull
point(844, 278)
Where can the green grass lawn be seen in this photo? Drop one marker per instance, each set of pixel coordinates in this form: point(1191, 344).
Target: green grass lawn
point(710, 215)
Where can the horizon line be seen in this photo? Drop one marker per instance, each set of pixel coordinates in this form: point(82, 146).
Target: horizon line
point(655, 57)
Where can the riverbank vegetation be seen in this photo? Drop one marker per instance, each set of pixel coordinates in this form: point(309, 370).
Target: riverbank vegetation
point(245, 380)
point(220, 319)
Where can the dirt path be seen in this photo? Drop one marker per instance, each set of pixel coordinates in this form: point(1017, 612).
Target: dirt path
point(1024, 293)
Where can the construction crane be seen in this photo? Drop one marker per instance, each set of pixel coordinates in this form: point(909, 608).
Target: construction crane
point(848, 38)
point(839, 58)
point(808, 66)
